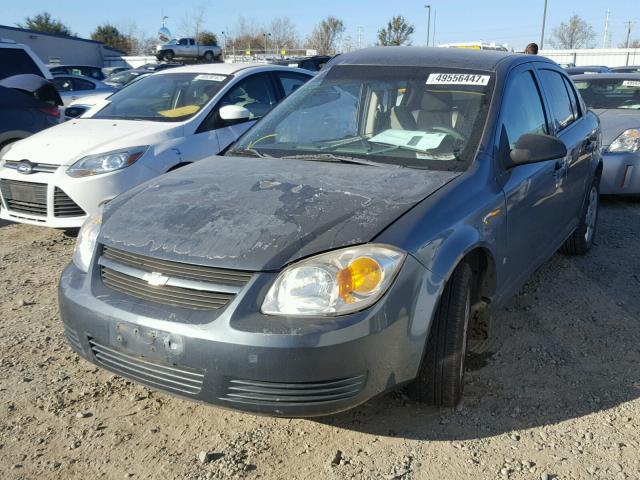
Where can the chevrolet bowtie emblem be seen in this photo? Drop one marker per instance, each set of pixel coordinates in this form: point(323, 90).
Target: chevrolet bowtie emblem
point(155, 279)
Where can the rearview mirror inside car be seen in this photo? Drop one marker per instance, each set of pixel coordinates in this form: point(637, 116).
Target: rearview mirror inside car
point(232, 114)
point(532, 148)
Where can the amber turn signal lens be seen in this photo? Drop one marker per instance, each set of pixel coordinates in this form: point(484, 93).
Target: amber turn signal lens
point(362, 276)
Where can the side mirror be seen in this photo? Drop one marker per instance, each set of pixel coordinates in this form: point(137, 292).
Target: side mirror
point(532, 148)
point(234, 114)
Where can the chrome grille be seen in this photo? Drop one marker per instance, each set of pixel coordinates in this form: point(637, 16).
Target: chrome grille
point(63, 206)
point(186, 286)
point(176, 379)
point(283, 394)
point(24, 197)
point(36, 167)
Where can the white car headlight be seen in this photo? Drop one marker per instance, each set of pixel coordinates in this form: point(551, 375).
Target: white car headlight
point(334, 283)
point(86, 242)
point(628, 141)
point(106, 162)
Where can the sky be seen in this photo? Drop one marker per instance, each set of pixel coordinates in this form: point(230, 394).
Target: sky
point(513, 22)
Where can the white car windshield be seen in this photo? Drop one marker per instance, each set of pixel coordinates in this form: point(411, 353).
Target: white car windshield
point(167, 97)
point(417, 117)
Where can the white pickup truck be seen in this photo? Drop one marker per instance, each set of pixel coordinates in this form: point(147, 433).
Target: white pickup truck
point(188, 48)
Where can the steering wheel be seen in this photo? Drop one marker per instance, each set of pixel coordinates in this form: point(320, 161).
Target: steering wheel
point(451, 131)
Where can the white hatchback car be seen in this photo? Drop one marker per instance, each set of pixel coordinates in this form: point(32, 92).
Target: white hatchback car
point(60, 176)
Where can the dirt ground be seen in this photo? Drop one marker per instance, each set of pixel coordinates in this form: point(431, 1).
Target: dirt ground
point(556, 396)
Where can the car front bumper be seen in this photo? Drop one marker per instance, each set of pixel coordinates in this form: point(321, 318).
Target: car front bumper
point(301, 368)
point(620, 174)
point(60, 201)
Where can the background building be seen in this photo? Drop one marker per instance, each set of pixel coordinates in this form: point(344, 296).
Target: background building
point(61, 49)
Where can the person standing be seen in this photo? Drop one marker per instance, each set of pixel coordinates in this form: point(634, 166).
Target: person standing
point(531, 49)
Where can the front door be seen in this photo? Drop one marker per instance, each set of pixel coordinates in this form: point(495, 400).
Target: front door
point(533, 193)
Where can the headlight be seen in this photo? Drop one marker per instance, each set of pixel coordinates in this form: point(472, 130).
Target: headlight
point(105, 162)
point(334, 283)
point(628, 141)
point(86, 242)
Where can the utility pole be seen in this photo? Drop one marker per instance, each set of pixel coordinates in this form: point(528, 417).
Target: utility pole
point(629, 24)
point(433, 37)
point(359, 37)
point(606, 29)
point(544, 21)
point(428, 23)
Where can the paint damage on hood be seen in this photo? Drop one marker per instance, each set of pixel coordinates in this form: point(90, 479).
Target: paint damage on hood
point(260, 214)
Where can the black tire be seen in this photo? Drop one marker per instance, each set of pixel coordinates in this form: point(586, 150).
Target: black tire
point(168, 55)
point(440, 379)
point(581, 240)
point(208, 57)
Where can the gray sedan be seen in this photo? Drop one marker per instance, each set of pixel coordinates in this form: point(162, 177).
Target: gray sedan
point(342, 246)
point(615, 98)
point(73, 87)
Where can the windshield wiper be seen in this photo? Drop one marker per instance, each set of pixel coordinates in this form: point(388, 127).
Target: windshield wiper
point(252, 152)
point(330, 157)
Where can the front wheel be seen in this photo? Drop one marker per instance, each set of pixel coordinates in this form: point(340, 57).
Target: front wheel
point(581, 240)
point(440, 379)
point(168, 55)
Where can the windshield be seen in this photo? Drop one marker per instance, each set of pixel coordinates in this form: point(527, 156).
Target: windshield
point(122, 78)
point(610, 93)
point(170, 97)
point(429, 118)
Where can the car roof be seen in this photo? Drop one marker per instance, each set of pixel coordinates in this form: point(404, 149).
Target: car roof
point(433, 56)
point(607, 76)
point(226, 68)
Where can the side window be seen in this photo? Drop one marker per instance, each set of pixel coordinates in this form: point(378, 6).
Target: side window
point(255, 93)
point(79, 84)
point(63, 84)
point(559, 101)
point(15, 61)
point(182, 41)
point(192, 41)
point(573, 97)
point(291, 82)
point(522, 110)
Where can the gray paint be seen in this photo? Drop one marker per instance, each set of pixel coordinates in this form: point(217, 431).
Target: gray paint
point(261, 214)
point(614, 121)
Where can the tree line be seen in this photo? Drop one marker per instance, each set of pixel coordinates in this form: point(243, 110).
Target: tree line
point(281, 33)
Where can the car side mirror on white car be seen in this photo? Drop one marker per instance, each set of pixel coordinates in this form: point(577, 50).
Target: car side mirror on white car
point(233, 114)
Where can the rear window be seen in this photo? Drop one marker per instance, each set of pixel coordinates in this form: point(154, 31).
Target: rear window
point(610, 92)
point(15, 61)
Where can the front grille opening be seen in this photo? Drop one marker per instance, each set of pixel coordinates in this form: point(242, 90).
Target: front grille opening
point(180, 380)
point(166, 295)
point(24, 197)
point(63, 206)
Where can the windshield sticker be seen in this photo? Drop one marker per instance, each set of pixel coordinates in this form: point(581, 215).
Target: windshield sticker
point(414, 140)
point(631, 83)
point(211, 78)
point(457, 79)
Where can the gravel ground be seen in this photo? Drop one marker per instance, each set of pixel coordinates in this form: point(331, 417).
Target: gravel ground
point(555, 396)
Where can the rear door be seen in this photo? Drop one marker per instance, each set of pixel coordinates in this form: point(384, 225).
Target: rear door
point(566, 124)
point(534, 195)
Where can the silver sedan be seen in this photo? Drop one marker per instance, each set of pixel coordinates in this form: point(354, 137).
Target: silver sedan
point(73, 87)
point(615, 98)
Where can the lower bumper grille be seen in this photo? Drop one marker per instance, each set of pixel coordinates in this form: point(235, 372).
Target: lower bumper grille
point(25, 197)
point(175, 379)
point(63, 206)
point(292, 394)
point(73, 339)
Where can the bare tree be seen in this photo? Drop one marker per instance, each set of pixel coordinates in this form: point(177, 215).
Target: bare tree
point(326, 36)
point(246, 35)
point(193, 21)
point(397, 32)
point(139, 42)
point(632, 44)
point(576, 33)
point(284, 34)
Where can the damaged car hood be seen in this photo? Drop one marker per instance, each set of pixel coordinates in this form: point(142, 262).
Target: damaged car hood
point(260, 214)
